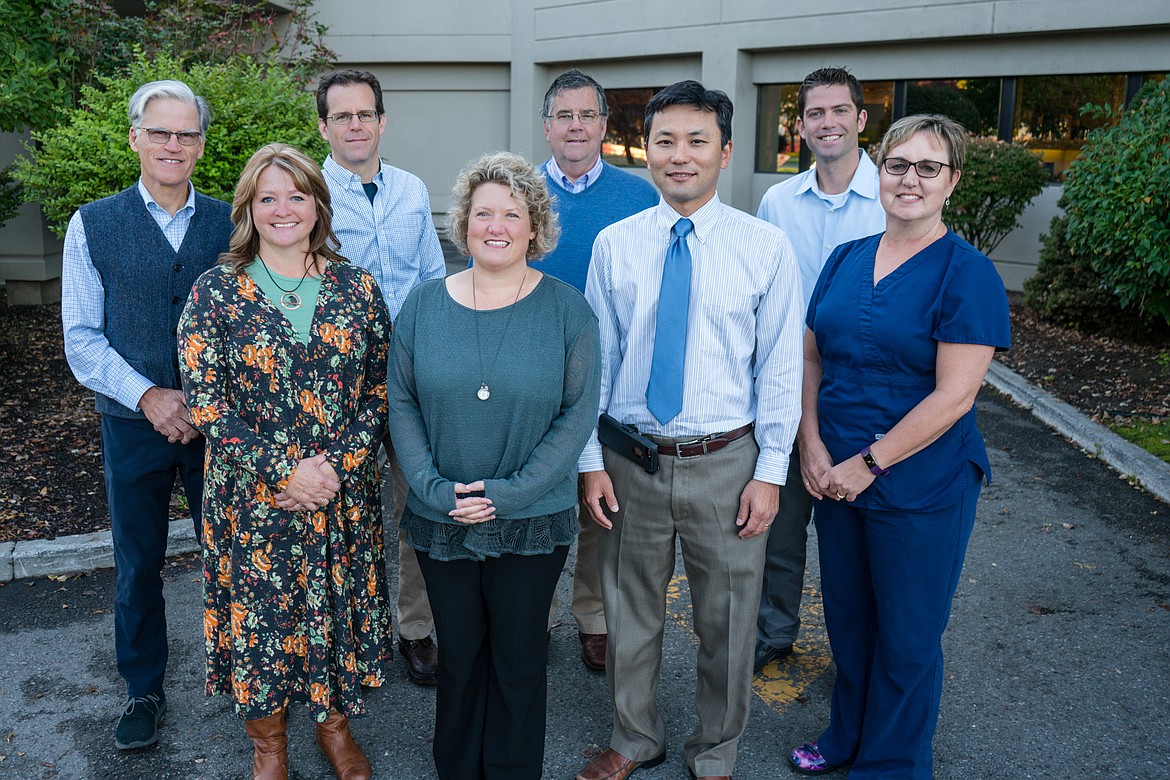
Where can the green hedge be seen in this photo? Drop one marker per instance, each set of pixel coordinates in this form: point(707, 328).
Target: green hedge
point(87, 156)
point(1117, 204)
point(999, 180)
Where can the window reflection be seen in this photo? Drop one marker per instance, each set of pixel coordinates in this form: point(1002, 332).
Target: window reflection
point(623, 145)
point(1048, 114)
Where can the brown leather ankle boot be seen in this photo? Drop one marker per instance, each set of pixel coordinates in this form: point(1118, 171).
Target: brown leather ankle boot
point(349, 762)
point(269, 746)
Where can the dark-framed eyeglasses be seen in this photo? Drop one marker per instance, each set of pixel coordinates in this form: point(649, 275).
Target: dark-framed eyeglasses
point(345, 117)
point(162, 137)
point(927, 169)
point(584, 117)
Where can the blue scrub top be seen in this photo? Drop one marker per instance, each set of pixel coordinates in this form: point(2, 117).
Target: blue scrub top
point(878, 346)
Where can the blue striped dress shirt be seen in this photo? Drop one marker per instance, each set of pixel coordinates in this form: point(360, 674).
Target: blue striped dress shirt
point(745, 323)
point(393, 238)
point(94, 362)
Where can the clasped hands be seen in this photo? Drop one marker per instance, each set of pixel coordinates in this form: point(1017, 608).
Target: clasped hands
point(472, 510)
point(842, 482)
point(313, 484)
point(167, 411)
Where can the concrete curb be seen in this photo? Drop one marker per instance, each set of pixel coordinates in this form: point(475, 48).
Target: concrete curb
point(81, 552)
point(1134, 463)
point(85, 552)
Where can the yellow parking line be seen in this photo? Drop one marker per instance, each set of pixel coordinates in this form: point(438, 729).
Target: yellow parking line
point(780, 682)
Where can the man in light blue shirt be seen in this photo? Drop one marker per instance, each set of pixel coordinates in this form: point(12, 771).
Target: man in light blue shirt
point(382, 217)
point(128, 265)
point(832, 203)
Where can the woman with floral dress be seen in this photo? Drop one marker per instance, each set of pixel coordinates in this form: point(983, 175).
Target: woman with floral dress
point(283, 351)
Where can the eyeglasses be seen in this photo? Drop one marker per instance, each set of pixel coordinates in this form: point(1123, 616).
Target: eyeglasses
point(345, 117)
point(584, 117)
point(927, 169)
point(158, 135)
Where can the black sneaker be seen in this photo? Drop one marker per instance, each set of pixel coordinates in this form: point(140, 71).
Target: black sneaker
point(138, 726)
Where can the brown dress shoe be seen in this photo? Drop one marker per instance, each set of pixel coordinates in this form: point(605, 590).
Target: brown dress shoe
point(422, 660)
point(269, 746)
point(612, 765)
point(593, 650)
point(335, 741)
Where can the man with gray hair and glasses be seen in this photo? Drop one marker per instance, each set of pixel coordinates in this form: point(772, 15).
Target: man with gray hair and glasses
point(589, 194)
point(128, 265)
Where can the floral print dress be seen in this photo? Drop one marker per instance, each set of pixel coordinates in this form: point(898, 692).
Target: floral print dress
point(295, 603)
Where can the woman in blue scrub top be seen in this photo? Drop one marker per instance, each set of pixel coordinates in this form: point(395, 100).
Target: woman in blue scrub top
point(901, 329)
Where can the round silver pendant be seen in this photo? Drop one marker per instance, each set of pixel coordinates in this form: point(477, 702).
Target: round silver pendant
point(483, 393)
point(290, 301)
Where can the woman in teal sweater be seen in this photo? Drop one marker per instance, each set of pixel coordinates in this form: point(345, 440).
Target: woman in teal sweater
point(494, 378)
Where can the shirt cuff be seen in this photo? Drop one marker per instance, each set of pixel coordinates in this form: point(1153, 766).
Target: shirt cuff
point(591, 459)
point(771, 467)
point(132, 389)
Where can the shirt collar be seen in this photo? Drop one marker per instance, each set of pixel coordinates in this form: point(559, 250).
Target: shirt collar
point(586, 180)
point(347, 178)
point(864, 181)
point(703, 219)
point(152, 204)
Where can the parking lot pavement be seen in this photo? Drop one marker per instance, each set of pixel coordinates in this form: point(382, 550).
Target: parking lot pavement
point(1058, 656)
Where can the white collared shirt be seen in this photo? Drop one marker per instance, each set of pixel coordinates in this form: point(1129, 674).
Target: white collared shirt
point(584, 181)
point(745, 322)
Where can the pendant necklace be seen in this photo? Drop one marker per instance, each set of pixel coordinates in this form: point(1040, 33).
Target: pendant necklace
point(289, 300)
point(484, 393)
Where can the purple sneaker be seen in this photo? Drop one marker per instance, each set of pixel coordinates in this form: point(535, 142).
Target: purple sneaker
point(807, 760)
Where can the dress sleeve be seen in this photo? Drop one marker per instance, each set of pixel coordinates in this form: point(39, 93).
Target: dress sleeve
point(557, 451)
point(408, 429)
point(973, 307)
point(356, 441)
point(203, 349)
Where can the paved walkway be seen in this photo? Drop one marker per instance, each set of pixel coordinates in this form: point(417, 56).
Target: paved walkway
point(1058, 655)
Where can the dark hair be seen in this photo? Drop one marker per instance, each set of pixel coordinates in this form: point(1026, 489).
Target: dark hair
point(829, 77)
point(692, 93)
point(306, 175)
point(344, 78)
point(573, 79)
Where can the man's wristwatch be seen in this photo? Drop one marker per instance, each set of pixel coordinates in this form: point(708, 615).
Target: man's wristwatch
point(867, 456)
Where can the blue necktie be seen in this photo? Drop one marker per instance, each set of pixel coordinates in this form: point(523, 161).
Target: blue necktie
point(664, 392)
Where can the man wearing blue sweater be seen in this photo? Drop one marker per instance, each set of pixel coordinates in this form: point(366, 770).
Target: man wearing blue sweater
point(588, 194)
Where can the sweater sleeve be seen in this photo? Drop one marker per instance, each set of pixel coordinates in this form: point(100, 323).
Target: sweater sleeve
point(556, 453)
point(408, 428)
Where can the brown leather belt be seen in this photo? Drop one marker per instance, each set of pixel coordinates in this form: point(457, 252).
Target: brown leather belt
point(704, 446)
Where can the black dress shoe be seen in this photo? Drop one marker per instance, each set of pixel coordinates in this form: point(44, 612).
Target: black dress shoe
point(765, 654)
point(422, 660)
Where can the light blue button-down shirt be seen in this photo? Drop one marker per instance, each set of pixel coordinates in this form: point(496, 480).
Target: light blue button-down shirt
point(817, 223)
point(393, 238)
point(584, 181)
point(94, 362)
point(744, 354)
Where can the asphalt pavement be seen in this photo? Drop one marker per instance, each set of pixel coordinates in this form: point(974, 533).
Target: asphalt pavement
point(1058, 655)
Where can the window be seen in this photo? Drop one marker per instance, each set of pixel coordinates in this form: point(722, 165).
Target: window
point(973, 103)
point(1048, 114)
point(623, 144)
point(778, 147)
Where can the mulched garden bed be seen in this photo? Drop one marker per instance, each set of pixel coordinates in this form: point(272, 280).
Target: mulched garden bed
point(51, 481)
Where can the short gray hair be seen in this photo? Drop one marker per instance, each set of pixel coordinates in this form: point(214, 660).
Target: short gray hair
point(168, 89)
point(527, 185)
point(942, 128)
point(570, 80)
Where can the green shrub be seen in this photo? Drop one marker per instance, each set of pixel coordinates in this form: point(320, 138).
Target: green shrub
point(10, 195)
point(87, 157)
point(35, 64)
point(1117, 203)
point(999, 180)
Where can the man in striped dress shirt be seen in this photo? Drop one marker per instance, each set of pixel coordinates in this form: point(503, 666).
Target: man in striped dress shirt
point(382, 217)
point(717, 488)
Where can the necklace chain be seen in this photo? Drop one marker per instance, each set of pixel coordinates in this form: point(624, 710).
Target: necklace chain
point(289, 300)
point(484, 391)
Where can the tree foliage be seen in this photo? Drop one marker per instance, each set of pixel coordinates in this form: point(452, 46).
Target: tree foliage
point(999, 180)
point(87, 157)
point(1117, 201)
point(36, 64)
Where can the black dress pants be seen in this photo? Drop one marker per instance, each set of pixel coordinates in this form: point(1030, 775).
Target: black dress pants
point(491, 618)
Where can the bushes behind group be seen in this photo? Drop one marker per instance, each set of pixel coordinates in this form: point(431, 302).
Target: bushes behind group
point(87, 156)
point(1118, 206)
